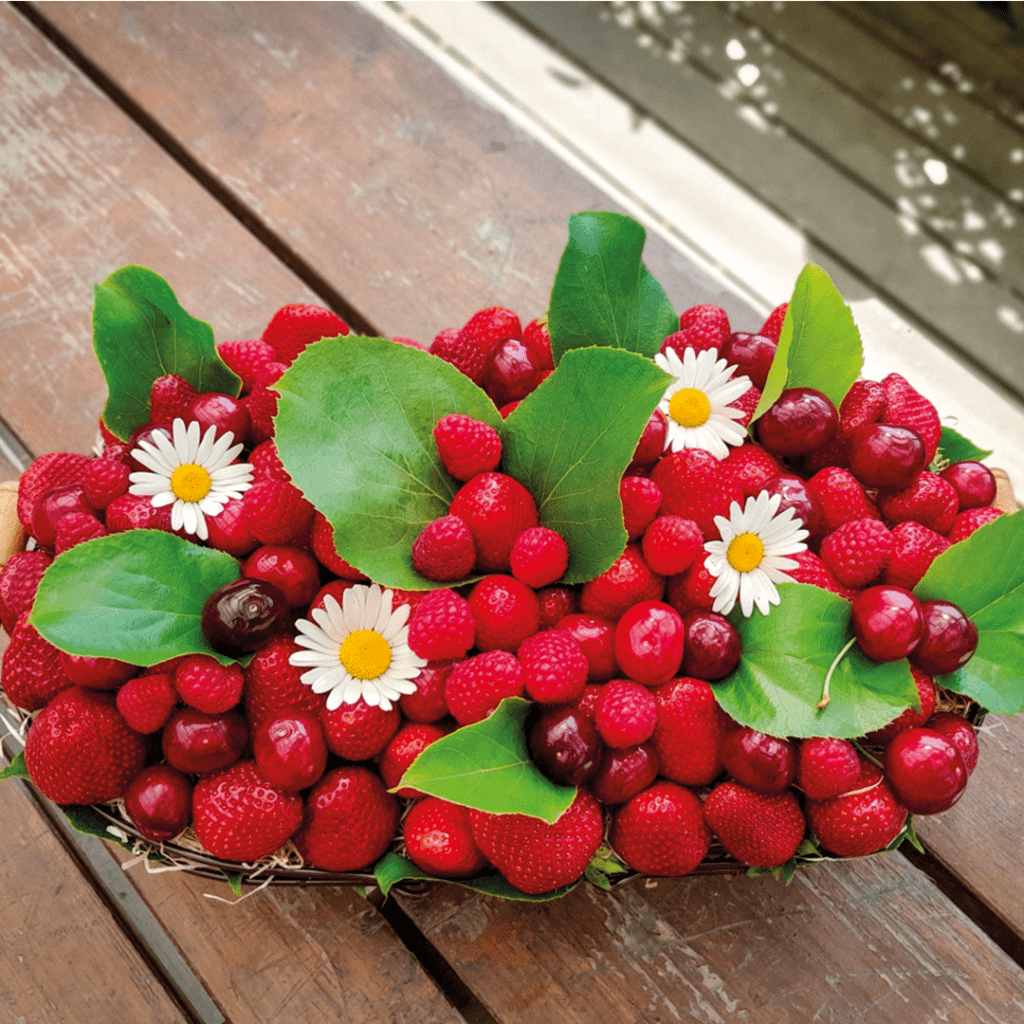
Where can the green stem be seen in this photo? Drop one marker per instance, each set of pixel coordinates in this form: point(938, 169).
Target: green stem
point(823, 703)
point(874, 760)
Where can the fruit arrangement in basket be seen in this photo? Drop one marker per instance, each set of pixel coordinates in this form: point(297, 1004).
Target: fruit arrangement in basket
point(618, 591)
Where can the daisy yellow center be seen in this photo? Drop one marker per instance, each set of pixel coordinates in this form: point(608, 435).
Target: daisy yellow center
point(190, 482)
point(365, 654)
point(745, 552)
point(689, 407)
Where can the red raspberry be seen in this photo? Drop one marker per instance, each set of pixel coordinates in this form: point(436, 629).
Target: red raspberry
point(505, 611)
point(466, 446)
point(19, 581)
point(273, 685)
point(489, 326)
point(403, 748)
point(496, 509)
point(689, 730)
point(276, 512)
point(47, 473)
point(554, 667)
point(858, 552)
point(626, 714)
point(627, 581)
point(696, 338)
point(444, 550)
point(747, 404)
point(812, 569)
point(262, 405)
point(74, 528)
point(916, 547)
point(555, 604)
point(104, 480)
point(690, 591)
point(266, 463)
point(905, 407)
point(442, 627)
point(671, 544)
point(539, 556)
point(760, 830)
point(752, 467)
point(911, 718)
point(207, 685)
point(772, 327)
point(33, 673)
point(427, 704)
point(459, 349)
point(536, 334)
point(295, 326)
point(321, 539)
point(136, 512)
point(641, 499)
point(967, 522)
point(439, 839)
point(247, 359)
point(146, 702)
point(479, 684)
point(695, 485)
point(827, 767)
point(841, 498)
point(929, 500)
point(107, 435)
point(358, 731)
point(865, 402)
point(712, 322)
point(170, 398)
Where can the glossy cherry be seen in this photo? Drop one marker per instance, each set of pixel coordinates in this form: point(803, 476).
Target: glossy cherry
point(197, 743)
point(624, 773)
point(159, 802)
point(712, 647)
point(925, 770)
point(649, 642)
point(52, 507)
point(887, 622)
point(800, 421)
point(97, 673)
point(230, 532)
point(564, 744)
point(223, 412)
point(513, 369)
point(652, 441)
point(144, 433)
point(974, 483)
point(290, 749)
point(950, 639)
point(596, 635)
point(242, 615)
point(960, 733)
point(752, 354)
point(761, 762)
point(296, 573)
point(795, 494)
point(886, 456)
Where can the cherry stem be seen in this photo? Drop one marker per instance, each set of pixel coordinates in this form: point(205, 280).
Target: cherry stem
point(823, 703)
point(871, 757)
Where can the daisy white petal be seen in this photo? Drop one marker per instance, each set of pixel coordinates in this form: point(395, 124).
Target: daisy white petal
point(163, 498)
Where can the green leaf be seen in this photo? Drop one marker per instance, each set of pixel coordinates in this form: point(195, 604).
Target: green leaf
point(954, 447)
point(355, 430)
point(603, 294)
point(234, 879)
point(819, 345)
point(569, 442)
point(984, 576)
point(487, 766)
point(786, 656)
point(393, 868)
point(136, 596)
point(17, 769)
point(140, 332)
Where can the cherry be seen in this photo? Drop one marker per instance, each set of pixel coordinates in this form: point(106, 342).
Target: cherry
point(290, 749)
point(960, 733)
point(513, 369)
point(230, 532)
point(624, 773)
point(886, 456)
point(925, 770)
point(52, 507)
point(761, 762)
point(197, 743)
point(949, 642)
point(974, 483)
point(564, 744)
point(159, 802)
point(796, 495)
point(800, 421)
point(294, 572)
point(596, 635)
point(752, 354)
point(144, 433)
point(649, 642)
point(96, 673)
point(712, 648)
point(887, 622)
point(652, 441)
point(212, 409)
point(427, 704)
point(240, 616)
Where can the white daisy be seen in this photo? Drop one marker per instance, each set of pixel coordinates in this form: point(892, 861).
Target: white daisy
point(696, 404)
point(748, 561)
point(358, 649)
point(198, 475)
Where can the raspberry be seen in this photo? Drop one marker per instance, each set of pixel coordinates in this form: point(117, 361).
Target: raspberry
point(19, 581)
point(247, 359)
point(709, 321)
point(858, 552)
point(266, 463)
point(827, 767)
point(536, 334)
point(74, 528)
point(262, 405)
point(496, 509)
point(865, 402)
point(427, 704)
point(690, 591)
point(146, 702)
point(628, 580)
point(444, 550)
point(695, 485)
point(752, 467)
point(772, 327)
point(916, 547)
point(403, 748)
point(104, 480)
point(321, 539)
point(555, 603)
point(641, 499)
point(276, 512)
point(841, 498)
point(442, 627)
point(358, 731)
point(169, 399)
point(47, 473)
point(929, 500)
point(466, 446)
point(905, 407)
point(459, 349)
point(691, 337)
point(967, 522)
point(671, 544)
point(539, 556)
point(207, 685)
point(554, 667)
point(479, 684)
point(689, 730)
point(505, 611)
point(295, 326)
point(811, 569)
point(488, 326)
point(626, 714)
point(33, 673)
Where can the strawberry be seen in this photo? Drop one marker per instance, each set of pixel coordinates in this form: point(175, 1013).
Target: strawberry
point(827, 767)
point(811, 569)
point(427, 704)
point(207, 685)
point(466, 446)
point(444, 550)
point(479, 684)
point(272, 684)
point(538, 557)
point(627, 581)
point(626, 714)
point(146, 702)
point(239, 815)
point(33, 673)
point(358, 731)
point(74, 528)
point(247, 359)
point(554, 667)
point(671, 544)
point(459, 349)
point(439, 839)
point(858, 552)
point(970, 520)
point(747, 404)
point(19, 581)
point(758, 829)
point(294, 327)
point(487, 327)
point(81, 751)
point(442, 626)
point(537, 857)
point(402, 749)
point(866, 818)
point(708, 321)
point(690, 727)
point(752, 467)
point(170, 398)
point(276, 512)
point(916, 547)
point(321, 539)
point(104, 480)
point(695, 485)
point(136, 512)
point(47, 473)
point(661, 831)
point(349, 821)
point(505, 611)
point(640, 499)
point(865, 402)
point(929, 500)
point(841, 498)
point(911, 718)
point(690, 591)
point(496, 509)
point(905, 407)
point(772, 327)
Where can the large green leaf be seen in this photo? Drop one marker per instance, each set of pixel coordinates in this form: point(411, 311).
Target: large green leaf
point(786, 657)
point(140, 332)
point(984, 576)
point(569, 442)
point(355, 430)
point(819, 346)
point(487, 766)
point(603, 294)
point(136, 596)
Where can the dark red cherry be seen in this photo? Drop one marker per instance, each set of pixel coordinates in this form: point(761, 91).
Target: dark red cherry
point(564, 744)
point(144, 433)
point(52, 507)
point(159, 802)
point(949, 642)
point(752, 354)
point(887, 622)
point(514, 368)
point(197, 743)
point(212, 409)
point(712, 648)
point(974, 483)
point(925, 770)
point(960, 733)
point(97, 673)
point(800, 421)
point(242, 615)
point(290, 749)
point(795, 494)
point(624, 773)
point(886, 456)
point(296, 573)
point(596, 636)
point(761, 762)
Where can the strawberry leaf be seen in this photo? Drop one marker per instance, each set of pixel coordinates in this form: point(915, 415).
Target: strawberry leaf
point(603, 294)
point(569, 442)
point(135, 596)
point(954, 447)
point(355, 431)
point(140, 332)
point(487, 766)
point(819, 345)
point(984, 576)
point(786, 656)
point(17, 769)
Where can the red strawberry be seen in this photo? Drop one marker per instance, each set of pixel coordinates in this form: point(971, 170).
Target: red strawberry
point(358, 731)
point(627, 581)
point(640, 499)
point(827, 767)
point(554, 667)
point(813, 570)
point(496, 509)
point(402, 749)
point(773, 325)
point(929, 500)
point(865, 402)
point(207, 685)
point(76, 527)
point(661, 831)
point(697, 338)
point(272, 684)
point(247, 359)
point(444, 550)
point(105, 479)
point(33, 673)
point(146, 702)
point(757, 829)
point(487, 327)
point(136, 512)
point(276, 512)
point(696, 485)
point(459, 349)
point(538, 557)
point(349, 822)
point(709, 321)
point(747, 404)
point(47, 473)
point(19, 581)
point(906, 408)
point(968, 521)
point(479, 684)
point(294, 327)
point(752, 467)
point(466, 446)
point(911, 718)
point(81, 751)
point(537, 857)
point(321, 539)
point(439, 839)
point(690, 727)
point(170, 398)
point(442, 626)
point(841, 498)
point(239, 815)
point(916, 547)
point(858, 552)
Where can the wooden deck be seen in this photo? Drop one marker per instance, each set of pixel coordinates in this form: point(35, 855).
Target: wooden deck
point(258, 154)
